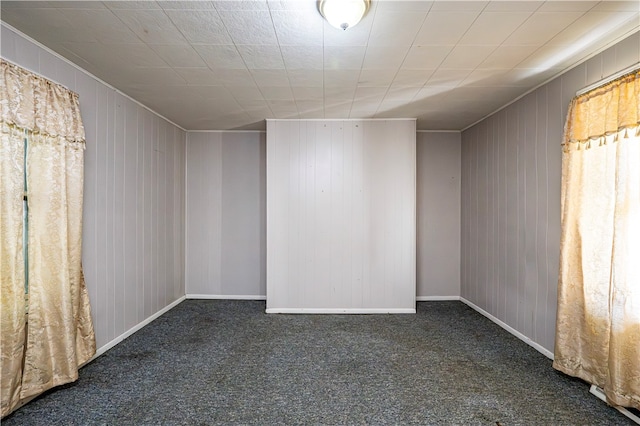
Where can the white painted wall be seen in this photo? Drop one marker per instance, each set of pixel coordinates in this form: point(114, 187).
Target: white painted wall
point(133, 240)
point(438, 219)
point(229, 167)
point(511, 173)
point(226, 215)
point(341, 214)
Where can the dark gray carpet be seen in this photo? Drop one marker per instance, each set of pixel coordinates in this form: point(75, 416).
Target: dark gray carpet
point(226, 362)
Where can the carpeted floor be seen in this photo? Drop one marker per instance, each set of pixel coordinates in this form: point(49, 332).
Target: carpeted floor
point(226, 362)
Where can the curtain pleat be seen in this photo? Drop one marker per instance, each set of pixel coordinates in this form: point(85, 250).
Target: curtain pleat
point(598, 319)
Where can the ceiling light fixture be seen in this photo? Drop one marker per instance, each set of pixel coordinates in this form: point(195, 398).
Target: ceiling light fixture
point(343, 14)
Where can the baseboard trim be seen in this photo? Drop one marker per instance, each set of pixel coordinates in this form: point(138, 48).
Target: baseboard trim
point(226, 297)
point(436, 298)
point(599, 393)
point(510, 329)
point(340, 311)
point(132, 330)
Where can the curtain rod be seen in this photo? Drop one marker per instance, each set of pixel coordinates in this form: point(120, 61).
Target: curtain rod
point(628, 70)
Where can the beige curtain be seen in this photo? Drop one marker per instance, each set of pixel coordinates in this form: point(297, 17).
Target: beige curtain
point(598, 323)
point(59, 332)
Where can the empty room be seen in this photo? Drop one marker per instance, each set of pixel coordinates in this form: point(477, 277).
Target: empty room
point(320, 212)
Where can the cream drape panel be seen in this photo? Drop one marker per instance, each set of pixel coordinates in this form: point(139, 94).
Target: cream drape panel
point(12, 310)
point(59, 329)
point(598, 323)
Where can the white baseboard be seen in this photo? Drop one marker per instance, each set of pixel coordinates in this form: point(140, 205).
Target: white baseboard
point(599, 393)
point(225, 297)
point(436, 298)
point(340, 311)
point(510, 329)
point(129, 332)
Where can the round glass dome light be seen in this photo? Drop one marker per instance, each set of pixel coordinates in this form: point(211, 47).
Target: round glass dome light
point(343, 14)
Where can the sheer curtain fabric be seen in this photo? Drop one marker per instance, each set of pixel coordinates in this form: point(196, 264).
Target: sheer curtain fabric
point(598, 323)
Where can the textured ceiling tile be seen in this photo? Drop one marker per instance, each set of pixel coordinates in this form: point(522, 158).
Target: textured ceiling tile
point(302, 57)
point(458, 6)
point(513, 6)
point(58, 28)
point(178, 55)
point(464, 57)
point(148, 76)
point(252, 104)
point(493, 28)
point(569, 6)
point(343, 57)
point(339, 94)
point(201, 27)
point(102, 25)
point(388, 106)
point(405, 27)
point(241, 5)
point(384, 57)
point(187, 5)
point(77, 4)
point(371, 94)
point(485, 77)
point(132, 5)
point(629, 6)
point(402, 93)
point(152, 26)
point(246, 93)
point(340, 78)
point(298, 27)
point(235, 78)
point(125, 56)
point(409, 77)
point(529, 32)
point(432, 92)
point(198, 76)
point(310, 106)
point(220, 56)
point(282, 105)
point(404, 6)
point(369, 104)
point(325, 75)
point(292, 5)
point(337, 111)
point(507, 56)
point(591, 24)
point(265, 57)
point(444, 27)
point(376, 77)
point(276, 93)
point(448, 77)
point(249, 26)
point(307, 93)
point(26, 5)
point(426, 57)
point(310, 78)
point(271, 77)
point(356, 36)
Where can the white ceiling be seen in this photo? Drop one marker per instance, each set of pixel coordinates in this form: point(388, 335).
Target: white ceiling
point(231, 64)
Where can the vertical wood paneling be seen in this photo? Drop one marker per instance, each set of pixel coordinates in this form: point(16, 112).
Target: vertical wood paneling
point(225, 181)
point(438, 214)
point(511, 172)
point(121, 184)
point(241, 214)
point(341, 215)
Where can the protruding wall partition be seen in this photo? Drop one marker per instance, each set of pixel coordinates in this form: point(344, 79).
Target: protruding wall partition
point(341, 216)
